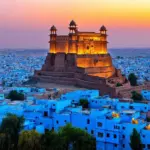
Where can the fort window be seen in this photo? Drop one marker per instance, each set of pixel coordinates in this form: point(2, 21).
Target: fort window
point(100, 134)
point(99, 124)
point(108, 135)
point(115, 136)
point(88, 121)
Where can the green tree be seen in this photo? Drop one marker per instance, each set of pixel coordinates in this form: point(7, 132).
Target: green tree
point(5, 142)
point(50, 140)
point(29, 140)
point(84, 103)
point(77, 138)
point(133, 79)
point(118, 84)
point(136, 96)
point(10, 127)
point(14, 95)
point(135, 140)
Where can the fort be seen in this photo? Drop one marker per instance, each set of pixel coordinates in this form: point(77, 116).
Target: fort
point(81, 59)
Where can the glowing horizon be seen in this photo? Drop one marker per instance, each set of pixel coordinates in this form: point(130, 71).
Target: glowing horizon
point(25, 23)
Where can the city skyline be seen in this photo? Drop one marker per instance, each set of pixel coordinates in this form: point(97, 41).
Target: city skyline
point(26, 23)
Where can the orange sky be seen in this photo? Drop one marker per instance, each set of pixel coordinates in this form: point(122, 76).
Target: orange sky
point(128, 21)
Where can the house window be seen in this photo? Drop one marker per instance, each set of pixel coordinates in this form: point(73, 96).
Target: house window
point(45, 113)
point(148, 146)
point(131, 107)
point(116, 127)
point(88, 121)
point(99, 124)
point(85, 128)
point(100, 134)
point(115, 136)
point(108, 135)
point(123, 128)
point(123, 136)
point(123, 146)
point(57, 121)
point(52, 128)
point(92, 131)
point(115, 145)
point(143, 136)
point(143, 145)
point(65, 121)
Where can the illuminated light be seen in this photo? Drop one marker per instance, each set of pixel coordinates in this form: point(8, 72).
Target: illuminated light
point(115, 115)
point(134, 121)
point(148, 127)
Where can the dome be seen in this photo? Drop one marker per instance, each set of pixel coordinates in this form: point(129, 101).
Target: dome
point(103, 28)
point(53, 28)
point(72, 23)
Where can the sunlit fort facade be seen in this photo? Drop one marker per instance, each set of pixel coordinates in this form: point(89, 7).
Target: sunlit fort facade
point(80, 58)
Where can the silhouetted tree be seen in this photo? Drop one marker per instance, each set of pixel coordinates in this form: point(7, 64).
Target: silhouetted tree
point(136, 96)
point(10, 127)
point(135, 140)
point(133, 79)
point(84, 103)
point(14, 95)
point(29, 140)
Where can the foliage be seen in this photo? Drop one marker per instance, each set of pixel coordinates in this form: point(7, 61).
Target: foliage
point(50, 140)
point(10, 127)
point(84, 103)
point(14, 95)
point(118, 84)
point(135, 140)
point(68, 138)
point(133, 79)
point(29, 140)
point(5, 142)
point(136, 96)
point(148, 119)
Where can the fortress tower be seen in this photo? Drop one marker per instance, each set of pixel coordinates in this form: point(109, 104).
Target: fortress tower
point(79, 58)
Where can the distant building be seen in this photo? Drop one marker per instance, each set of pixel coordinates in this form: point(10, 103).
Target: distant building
point(80, 58)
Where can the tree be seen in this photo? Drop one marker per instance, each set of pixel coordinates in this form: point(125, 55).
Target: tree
point(10, 127)
point(5, 143)
point(133, 79)
point(77, 138)
point(14, 95)
point(136, 96)
point(29, 140)
point(118, 84)
point(135, 140)
point(50, 140)
point(84, 103)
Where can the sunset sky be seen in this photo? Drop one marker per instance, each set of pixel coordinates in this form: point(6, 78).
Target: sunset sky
point(26, 23)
